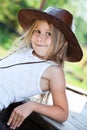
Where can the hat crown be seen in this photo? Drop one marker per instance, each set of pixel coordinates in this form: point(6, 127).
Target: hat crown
point(61, 14)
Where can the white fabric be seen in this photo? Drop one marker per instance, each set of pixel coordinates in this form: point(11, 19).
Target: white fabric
point(20, 82)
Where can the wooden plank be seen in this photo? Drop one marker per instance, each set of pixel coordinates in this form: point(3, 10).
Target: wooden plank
point(80, 117)
point(76, 89)
point(77, 119)
point(74, 122)
point(59, 126)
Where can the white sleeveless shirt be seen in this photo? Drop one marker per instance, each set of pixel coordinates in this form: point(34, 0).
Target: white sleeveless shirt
point(20, 80)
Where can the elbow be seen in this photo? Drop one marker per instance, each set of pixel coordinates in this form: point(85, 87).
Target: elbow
point(64, 114)
point(64, 117)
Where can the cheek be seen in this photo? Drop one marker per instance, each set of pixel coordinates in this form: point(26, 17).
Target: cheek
point(49, 42)
point(32, 38)
point(50, 48)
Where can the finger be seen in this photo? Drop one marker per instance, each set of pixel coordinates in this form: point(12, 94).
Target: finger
point(11, 118)
point(20, 122)
point(16, 122)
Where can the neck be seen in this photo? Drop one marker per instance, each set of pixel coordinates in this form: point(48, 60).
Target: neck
point(41, 57)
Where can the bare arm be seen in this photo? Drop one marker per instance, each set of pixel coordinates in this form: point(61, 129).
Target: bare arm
point(57, 111)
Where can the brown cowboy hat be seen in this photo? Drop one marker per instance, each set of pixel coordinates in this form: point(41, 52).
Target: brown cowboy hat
point(60, 18)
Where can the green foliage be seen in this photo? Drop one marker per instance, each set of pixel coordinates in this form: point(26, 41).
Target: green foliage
point(8, 18)
point(34, 3)
point(6, 40)
point(76, 74)
point(56, 3)
point(81, 31)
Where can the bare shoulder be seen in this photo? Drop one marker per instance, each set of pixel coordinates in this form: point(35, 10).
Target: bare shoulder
point(56, 77)
point(55, 70)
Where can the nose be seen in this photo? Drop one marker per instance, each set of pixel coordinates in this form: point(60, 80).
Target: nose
point(41, 37)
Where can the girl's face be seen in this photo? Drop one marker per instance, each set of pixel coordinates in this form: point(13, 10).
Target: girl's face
point(41, 39)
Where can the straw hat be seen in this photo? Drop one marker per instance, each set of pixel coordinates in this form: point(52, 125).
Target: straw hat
point(60, 18)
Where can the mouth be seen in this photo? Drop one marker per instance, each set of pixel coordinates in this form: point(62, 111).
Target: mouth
point(40, 45)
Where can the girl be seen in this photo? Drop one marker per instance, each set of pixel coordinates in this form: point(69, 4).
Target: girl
point(37, 66)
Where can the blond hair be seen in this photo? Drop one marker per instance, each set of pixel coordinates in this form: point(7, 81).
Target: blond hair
point(58, 53)
point(60, 47)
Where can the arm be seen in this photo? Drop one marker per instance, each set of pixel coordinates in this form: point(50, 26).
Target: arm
point(57, 111)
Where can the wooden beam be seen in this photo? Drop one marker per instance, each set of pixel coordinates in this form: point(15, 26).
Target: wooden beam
point(42, 4)
point(76, 89)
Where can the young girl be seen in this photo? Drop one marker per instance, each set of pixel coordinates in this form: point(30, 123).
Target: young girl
point(36, 67)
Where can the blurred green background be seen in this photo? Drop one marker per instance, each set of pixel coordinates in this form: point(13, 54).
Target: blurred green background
point(75, 73)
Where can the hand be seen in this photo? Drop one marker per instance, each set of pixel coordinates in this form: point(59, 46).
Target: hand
point(19, 114)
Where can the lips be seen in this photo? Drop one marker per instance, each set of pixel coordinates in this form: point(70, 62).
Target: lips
point(40, 45)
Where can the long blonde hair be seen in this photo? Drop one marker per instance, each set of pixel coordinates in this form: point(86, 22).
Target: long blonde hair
point(58, 40)
point(60, 47)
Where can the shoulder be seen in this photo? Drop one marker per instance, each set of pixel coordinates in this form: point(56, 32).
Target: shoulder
point(56, 77)
point(55, 70)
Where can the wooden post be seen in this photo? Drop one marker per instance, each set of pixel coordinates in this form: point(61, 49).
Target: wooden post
point(42, 4)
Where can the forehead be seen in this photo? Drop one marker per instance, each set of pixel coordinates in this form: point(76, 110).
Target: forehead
point(44, 23)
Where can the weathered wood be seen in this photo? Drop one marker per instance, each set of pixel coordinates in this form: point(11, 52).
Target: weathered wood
point(76, 89)
point(42, 4)
point(77, 119)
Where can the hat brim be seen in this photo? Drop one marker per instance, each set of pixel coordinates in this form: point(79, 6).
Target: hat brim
point(27, 16)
